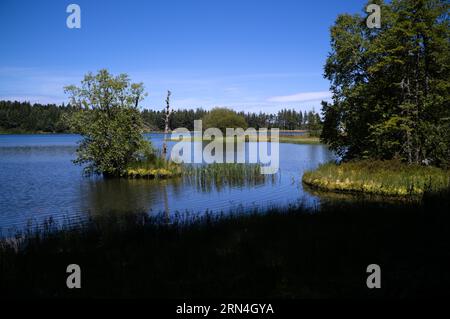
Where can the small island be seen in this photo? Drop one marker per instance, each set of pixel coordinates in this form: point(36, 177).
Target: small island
point(387, 178)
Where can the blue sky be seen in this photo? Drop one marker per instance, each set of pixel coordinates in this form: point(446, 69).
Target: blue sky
point(247, 55)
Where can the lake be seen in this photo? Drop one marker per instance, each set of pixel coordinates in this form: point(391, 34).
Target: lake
point(39, 181)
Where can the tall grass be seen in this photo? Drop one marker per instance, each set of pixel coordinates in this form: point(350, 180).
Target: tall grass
point(218, 176)
point(390, 178)
point(292, 252)
point(153, 167)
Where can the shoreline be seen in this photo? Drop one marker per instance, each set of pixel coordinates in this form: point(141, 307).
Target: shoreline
point(381, 178)
point(290, 139)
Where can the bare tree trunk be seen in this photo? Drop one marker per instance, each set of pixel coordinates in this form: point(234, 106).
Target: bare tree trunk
point(166, 128)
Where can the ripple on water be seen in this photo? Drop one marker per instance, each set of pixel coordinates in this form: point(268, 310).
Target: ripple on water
point(39, 181)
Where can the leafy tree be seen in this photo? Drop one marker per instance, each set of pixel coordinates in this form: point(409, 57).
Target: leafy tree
point(314, 124)
point(108, 118)
point(223, 118)
point(391, 85)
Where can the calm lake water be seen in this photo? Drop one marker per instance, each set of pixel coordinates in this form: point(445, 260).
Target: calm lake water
point(39, 181)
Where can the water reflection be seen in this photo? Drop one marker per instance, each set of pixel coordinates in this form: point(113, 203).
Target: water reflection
point(39, 181)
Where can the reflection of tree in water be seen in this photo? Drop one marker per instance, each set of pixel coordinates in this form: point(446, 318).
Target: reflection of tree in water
point(175, 185)
point(120, 195)
point(129, 195)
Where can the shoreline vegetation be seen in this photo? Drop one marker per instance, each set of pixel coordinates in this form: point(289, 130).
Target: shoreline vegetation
point(218, 176)
point(156, 169)
point(234, 174)
point(277, 252)
point(291, 139)
point(387, 178)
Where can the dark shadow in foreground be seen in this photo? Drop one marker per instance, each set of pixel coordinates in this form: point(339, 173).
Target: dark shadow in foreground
point(281, 253)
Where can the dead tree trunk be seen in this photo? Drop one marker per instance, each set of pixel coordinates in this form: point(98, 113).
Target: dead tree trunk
point(166, 128)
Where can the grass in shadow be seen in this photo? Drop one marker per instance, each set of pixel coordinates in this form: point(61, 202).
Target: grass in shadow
point(279, 253)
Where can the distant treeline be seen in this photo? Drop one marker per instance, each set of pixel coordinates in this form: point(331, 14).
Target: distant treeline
point(26, 117)
point(284, 119)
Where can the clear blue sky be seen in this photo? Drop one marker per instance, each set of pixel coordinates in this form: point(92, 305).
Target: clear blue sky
point(247, 55)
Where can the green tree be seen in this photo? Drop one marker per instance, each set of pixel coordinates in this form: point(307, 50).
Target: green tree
point(391, 85)
point(314, 125)
point(107, 116)
point(223, 118)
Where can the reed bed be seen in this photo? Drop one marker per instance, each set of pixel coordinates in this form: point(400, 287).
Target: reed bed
point(218, 176)
point(205, 177)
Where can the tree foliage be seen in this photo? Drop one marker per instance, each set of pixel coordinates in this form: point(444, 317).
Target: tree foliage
point(223, 118)
point(391, 85)
point(107, 116)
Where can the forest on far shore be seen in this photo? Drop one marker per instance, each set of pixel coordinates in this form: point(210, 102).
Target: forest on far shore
point(24, 117)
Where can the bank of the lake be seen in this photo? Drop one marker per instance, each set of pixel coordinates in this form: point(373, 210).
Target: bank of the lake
point(291, 139)
point(25, 132)
point(300, 139)
point(387, 178)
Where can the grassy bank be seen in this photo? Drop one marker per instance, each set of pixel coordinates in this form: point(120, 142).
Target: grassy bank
point(387, 178)
point(281, 253)
point(299, 139)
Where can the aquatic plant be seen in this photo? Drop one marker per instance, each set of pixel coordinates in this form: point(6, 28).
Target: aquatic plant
point(207, 177)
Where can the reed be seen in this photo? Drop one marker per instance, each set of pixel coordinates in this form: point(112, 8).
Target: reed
point(218, 176)
point(291, 252)
point(205, 177)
